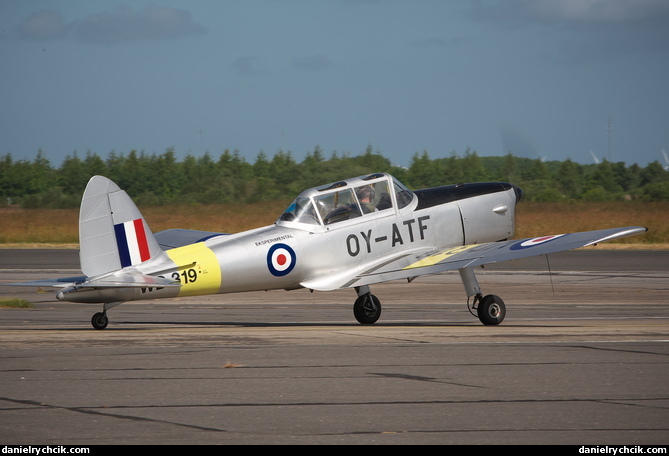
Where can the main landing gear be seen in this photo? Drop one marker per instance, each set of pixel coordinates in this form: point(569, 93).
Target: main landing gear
point(100, 319)
point(490, 309)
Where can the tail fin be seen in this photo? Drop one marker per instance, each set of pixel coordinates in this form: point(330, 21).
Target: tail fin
point(112, 232)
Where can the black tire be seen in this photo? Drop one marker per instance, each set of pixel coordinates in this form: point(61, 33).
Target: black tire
point(491, 310)
point(100, 320)
point(367, 309)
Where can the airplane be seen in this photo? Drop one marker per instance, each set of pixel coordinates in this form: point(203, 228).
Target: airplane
point(348, 234)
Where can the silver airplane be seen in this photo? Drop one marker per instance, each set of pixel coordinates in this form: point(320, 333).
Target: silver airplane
point(348, 234)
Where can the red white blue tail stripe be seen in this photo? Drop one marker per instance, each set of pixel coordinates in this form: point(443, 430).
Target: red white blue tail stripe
point(133, 247)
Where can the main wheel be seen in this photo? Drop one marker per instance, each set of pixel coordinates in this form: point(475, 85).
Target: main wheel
point(367, 309)
point(491, 310)
point(100, 320)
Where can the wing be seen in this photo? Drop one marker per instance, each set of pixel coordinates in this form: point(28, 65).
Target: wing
point(440, 260)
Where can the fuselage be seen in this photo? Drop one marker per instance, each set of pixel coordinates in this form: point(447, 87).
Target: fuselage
point(327, 232)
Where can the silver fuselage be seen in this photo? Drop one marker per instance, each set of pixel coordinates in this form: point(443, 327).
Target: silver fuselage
point(293, 253)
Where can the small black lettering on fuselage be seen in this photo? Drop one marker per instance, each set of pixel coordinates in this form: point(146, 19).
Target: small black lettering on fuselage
point(408, 231)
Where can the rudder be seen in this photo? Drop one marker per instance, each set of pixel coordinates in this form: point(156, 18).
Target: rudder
point(112, 232)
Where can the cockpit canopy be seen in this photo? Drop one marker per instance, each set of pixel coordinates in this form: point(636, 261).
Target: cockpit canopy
point(348, 199)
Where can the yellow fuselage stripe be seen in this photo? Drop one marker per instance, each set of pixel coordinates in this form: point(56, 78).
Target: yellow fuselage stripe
point(198, 269)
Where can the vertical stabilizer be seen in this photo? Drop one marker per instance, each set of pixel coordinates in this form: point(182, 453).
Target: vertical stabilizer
point(112, 232)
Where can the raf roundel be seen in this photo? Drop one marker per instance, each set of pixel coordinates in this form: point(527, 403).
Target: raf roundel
point(534, 242)
point(281, 259)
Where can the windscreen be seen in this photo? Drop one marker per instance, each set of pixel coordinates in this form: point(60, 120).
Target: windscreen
point(301, 210)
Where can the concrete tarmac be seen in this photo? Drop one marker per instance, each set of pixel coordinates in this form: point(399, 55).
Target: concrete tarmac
point(581, 359)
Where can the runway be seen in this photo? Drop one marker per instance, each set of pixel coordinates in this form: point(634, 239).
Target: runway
point(581, 359)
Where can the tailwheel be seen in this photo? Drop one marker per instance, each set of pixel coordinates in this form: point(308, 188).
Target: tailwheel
point(491, 310)
point(100, 320)
point(367, 309)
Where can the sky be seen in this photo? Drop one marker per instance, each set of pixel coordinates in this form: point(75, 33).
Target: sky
point(551, 79)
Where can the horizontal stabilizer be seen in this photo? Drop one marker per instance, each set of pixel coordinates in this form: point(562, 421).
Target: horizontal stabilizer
point(171, 239)
point(130, 280)
point(107, 281)
point(57, 283)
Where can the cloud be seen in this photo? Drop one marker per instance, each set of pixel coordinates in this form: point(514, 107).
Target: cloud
point(592, 30)
point(312, 63)
point(247, 66)
point(439, 43)
point(576, 13)
point(124, 24)
point(43, 25)
point(618, 12)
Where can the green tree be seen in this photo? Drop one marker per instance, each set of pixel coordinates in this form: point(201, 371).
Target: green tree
point(94, 165)
point(9, 187)
point(472, 167)
point(285, 171)
point(424, 172)
point(261, 166)
point(373, 162)
point(453, 170)
point(72, 175)
point(130, 174)
point(163, 178)
point(653, 173)
point(569, 179)
point(538, 171)
point(656, 191)
point(602, 178)
point(166, 171)
point(509, 171)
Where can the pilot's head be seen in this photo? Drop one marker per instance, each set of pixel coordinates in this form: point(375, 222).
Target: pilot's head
point(366, 193)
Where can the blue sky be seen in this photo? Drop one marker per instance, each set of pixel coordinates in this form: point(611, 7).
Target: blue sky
point(541, 78)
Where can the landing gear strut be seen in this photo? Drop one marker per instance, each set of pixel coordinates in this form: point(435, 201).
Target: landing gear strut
point(367, 308)
point(490, 309)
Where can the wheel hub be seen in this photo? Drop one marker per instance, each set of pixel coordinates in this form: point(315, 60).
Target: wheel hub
point(494, 310)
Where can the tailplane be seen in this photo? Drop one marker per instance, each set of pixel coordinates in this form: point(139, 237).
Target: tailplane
point(112, 232)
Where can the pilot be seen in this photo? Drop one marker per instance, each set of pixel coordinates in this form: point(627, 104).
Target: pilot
point(366, 195)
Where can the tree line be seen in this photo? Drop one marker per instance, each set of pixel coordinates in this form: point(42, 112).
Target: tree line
point(158, 179)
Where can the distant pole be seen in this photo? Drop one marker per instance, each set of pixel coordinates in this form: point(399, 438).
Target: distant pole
point(609, 130)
